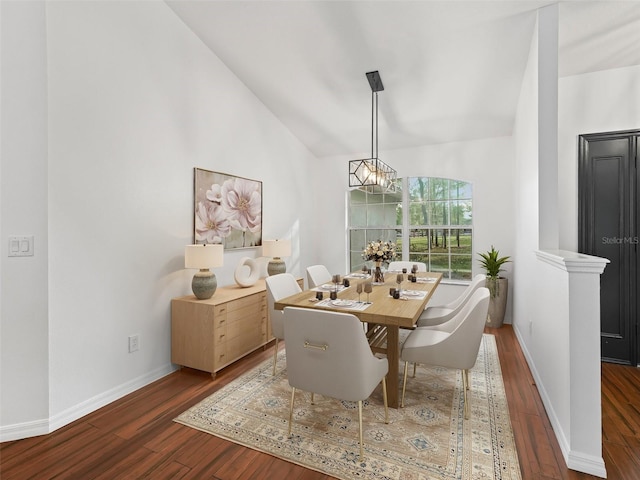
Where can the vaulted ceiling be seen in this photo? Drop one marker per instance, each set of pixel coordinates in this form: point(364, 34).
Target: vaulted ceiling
point(452, 70)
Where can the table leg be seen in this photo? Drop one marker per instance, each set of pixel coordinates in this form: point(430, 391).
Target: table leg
point(393, 355)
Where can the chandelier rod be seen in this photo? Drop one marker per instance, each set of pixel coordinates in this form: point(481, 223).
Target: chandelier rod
point(372, 124)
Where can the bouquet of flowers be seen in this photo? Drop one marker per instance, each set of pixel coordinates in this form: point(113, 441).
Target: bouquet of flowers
point(379, 251)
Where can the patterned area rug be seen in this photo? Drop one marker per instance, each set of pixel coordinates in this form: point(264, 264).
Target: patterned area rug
point(427, 439)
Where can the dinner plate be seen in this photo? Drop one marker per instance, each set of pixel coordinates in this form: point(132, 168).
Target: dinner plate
point(359, 275)
point(328, 286)
point(412, 293)
point(342, 303)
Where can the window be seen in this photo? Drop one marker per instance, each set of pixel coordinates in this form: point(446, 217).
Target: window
point(437, 229)
point(373, 216)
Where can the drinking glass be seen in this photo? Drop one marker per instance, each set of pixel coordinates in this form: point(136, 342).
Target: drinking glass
point(336, 280)
point(368, 288)
point(399, 279)
point(404, 270)
point(359, 289)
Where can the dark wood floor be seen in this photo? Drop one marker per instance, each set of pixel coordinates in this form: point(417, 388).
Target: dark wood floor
point(135, 436)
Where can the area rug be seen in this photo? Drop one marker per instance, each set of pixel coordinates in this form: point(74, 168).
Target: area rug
point(427, 439)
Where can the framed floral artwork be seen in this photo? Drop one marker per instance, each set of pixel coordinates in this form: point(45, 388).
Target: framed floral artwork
point(227, 209)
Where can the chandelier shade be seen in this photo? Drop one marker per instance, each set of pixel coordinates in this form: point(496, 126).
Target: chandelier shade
point(372, 174)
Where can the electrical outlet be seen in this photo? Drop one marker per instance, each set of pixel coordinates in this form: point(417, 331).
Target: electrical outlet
point(134, 343)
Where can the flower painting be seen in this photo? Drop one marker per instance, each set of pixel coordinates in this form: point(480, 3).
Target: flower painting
point(227, 210)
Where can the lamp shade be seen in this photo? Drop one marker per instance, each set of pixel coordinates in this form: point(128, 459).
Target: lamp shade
point(276, 248)
point(203, 256)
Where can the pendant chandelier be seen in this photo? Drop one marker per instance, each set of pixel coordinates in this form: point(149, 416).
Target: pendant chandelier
point(372, 174)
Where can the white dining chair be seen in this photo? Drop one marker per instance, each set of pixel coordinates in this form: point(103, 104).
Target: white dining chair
point(455, 349)
point(318, 275)
point(397, 266)
point(437, 314)
point(279, 286)
point(328, 354)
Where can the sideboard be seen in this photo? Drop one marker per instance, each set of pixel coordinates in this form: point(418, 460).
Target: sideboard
point(210, 334)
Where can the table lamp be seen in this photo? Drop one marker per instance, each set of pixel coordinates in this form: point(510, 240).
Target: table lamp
point(276, 249)
point(203, 257)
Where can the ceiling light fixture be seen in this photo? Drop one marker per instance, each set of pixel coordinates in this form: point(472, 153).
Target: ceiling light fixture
point(372, 174)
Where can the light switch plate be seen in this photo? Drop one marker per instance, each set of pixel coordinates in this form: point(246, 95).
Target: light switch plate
point(21, 246)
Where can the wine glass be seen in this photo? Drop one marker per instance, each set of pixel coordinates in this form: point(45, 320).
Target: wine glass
point(399, 279)
point(414, 269)
point(368, 288)
point(359, 290)
point(336, 281)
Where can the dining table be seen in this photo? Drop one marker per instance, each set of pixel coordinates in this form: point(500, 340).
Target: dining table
point(383, 314)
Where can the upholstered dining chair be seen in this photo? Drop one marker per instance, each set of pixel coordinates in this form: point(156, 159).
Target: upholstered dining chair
point(397, 266)
point(455, 349)
point(328, 354)
point(279, 286)
point(318, 275)
point(437, 314)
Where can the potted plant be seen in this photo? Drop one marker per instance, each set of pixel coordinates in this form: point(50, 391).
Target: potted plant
point(498, 287)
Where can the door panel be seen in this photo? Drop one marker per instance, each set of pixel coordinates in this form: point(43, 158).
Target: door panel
point(608, 215)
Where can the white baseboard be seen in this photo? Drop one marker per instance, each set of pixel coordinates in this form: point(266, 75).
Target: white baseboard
point(42, 427)
point(587, 464)
point(575, 460)
point(24, 430)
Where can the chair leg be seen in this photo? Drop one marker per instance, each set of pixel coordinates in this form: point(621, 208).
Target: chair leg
point(404, 382)
point(275, 356)
point(293, 393)
point(360, 423)
point(312, 400)
point(384, 397)
point(465, 388)
point(414, 370)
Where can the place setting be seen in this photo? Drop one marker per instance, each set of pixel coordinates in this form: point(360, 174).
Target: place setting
point(347, 304)
point(343, 304)
point(405, 294)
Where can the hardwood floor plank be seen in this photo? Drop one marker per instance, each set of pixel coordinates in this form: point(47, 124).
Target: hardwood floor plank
point(136, 437)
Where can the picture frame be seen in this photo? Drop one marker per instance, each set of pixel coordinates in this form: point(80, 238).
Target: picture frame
point(227, 209)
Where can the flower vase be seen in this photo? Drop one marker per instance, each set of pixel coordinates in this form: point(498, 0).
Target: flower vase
point(378, 277)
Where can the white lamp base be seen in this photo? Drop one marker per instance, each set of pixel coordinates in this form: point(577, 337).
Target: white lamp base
point(204, 284)
point(276, 266)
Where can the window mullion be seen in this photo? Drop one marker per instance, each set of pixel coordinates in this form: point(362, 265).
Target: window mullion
point(405, 219)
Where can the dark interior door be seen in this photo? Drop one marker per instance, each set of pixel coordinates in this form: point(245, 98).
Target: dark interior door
point(608, 220)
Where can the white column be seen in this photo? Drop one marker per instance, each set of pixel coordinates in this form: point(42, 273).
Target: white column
point(548, 231)
point(574, 401)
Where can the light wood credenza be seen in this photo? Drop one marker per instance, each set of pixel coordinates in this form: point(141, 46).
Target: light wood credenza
point(210, 334)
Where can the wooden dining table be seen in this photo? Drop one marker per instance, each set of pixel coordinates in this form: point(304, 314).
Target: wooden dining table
point(383, 315)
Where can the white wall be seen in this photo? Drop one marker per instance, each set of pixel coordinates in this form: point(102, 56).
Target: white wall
point(24, 375)
point(136, 101)
point(487, 164)
point(592, 103)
